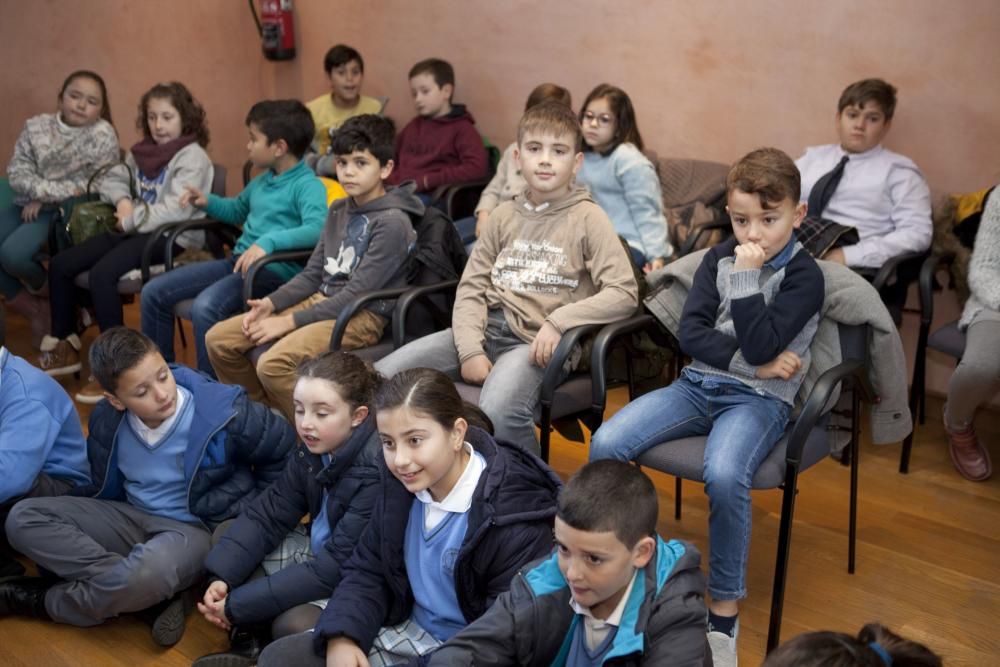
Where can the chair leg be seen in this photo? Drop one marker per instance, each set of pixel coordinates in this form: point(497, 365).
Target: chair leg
point(852, 532)
point(781, 560)
point(180, 330)
point(917, 399)
point(546, 431)
point(677, 497)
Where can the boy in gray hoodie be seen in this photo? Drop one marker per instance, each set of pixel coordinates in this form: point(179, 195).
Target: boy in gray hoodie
point(365, 236)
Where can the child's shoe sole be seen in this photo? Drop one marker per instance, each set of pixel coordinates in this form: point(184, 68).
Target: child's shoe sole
point(224, 660)
point(72, 369)
point(168, 626)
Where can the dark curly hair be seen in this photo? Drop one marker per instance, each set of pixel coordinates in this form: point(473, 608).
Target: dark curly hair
point(191, 112)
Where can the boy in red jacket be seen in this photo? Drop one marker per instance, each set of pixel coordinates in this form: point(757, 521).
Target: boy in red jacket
point(441, 145)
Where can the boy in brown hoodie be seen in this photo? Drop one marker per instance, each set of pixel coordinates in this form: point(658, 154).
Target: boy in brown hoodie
point(545, 262)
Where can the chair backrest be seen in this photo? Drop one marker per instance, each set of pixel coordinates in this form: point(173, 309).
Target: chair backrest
point(853, 341)
point(694, 193)
point(219, 180)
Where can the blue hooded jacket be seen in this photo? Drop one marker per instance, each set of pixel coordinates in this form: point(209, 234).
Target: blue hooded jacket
point(237, 448)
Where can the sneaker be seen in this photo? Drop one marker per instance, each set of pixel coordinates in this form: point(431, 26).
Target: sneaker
point(60, 357)
point(969, 457)
point(91, 393)
point(723, 647)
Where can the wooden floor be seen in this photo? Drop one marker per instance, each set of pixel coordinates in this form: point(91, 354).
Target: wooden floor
point(928, 562)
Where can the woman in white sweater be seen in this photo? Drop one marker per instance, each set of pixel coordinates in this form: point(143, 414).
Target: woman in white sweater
point(977, 377)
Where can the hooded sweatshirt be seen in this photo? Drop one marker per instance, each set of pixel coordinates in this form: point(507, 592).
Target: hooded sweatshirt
point(440, 151)
point(560, 263)
point(360, 250)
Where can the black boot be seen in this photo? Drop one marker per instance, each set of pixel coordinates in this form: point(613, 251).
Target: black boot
point(245, 645)
point(24, 596)
point(167, 619)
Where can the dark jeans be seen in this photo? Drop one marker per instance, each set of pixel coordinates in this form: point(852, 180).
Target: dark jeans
point(106, 257)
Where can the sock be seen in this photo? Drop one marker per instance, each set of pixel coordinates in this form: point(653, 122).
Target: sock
point(723, 624)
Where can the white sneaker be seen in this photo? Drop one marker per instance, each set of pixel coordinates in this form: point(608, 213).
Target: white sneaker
point(724, 647)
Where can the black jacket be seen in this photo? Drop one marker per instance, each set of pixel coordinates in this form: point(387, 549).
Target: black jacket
point(351, 478)
point(509, 525)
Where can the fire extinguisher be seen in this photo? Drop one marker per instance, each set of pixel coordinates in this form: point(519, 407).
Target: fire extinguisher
point(276, 28)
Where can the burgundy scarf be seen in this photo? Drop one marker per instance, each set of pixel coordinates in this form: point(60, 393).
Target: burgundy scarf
point(152, 157)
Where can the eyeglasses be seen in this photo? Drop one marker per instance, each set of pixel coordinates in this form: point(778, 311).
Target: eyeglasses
point(603, 119)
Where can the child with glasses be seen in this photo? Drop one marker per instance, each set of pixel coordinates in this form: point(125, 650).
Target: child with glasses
point(621, 179)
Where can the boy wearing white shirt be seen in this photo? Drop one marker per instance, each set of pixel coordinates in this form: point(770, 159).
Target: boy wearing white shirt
point(881, 194)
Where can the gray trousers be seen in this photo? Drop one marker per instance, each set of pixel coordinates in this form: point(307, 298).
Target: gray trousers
point(113, 557)
point(977, 377)
point(510, 393)
point(43, 487)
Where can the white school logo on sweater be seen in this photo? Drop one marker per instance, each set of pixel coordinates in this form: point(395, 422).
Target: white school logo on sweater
point(532, 267)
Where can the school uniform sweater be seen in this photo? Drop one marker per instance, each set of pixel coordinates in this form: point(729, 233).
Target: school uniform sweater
point(560, 263)
point(278, 212)
point(39, 429)
point(361, 249)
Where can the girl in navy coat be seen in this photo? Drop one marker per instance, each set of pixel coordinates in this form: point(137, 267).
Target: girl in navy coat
point(333, 475)
point(458, 514)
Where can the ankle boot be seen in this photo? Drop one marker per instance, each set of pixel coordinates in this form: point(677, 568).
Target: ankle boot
point(24, 596)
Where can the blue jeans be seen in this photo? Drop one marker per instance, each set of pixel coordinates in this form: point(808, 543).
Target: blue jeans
point(510, 393)
point(742, 427)
point(21, 243)
point(217, 294)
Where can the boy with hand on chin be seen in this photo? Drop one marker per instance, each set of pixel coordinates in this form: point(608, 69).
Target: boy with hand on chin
point(545, 262)
point(750, 315)
point(367, 237)
point(281, 209)
point(172, 454)
point(614, 592)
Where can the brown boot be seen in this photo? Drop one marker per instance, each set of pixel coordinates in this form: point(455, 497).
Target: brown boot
point(969, 457)
point(35, 309)
point(60, 357)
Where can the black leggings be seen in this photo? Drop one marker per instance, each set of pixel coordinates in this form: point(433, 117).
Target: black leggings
point(106, 257)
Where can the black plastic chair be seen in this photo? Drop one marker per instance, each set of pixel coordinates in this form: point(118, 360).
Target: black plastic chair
point(805, 443)
point(459, 200)
point(947, 339)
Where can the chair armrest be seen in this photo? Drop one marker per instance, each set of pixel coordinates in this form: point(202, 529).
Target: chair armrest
point(147, 250)
point(191, 225)
point(888, 270)
point(352, 307)
point(608, 334)
point(406, 301)
point(692, 240)
point(852, 369)
point(552, 377)
point(926, 281)
point(258, 266)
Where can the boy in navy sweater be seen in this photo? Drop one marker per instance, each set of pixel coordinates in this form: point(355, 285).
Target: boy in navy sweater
point(751, 314)
point(172, 454)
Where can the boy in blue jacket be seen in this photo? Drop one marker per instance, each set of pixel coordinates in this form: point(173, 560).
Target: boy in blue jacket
point(613, 593)
point(172, 454)
point(42, 449)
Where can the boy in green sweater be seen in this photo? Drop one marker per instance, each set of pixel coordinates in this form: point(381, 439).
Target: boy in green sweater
point(282, 209)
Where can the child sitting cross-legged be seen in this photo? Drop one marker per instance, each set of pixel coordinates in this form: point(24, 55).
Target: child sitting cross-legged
point(749, 318)
point(614, 592)
point(172, 454)
point(367, 237)
point(457, 515)
point(333, 477)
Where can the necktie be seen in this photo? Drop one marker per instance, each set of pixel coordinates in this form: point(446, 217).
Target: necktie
point(823, 191)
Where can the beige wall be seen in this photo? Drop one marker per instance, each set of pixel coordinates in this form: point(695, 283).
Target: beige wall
point(709, 79)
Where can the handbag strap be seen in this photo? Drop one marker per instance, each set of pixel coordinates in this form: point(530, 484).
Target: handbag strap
point(103, 171)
